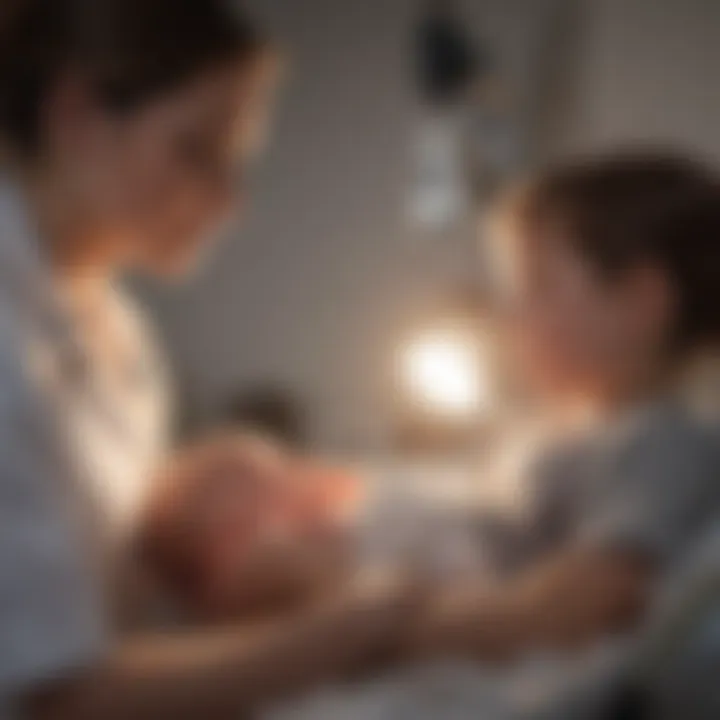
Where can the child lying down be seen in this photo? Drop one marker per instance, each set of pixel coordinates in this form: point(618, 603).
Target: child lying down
point(611, 299)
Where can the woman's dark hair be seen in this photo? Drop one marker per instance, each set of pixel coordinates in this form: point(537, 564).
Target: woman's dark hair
point(128, 50)
point(630, 208)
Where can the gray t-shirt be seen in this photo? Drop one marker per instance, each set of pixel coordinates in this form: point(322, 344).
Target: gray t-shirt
point(648, 483)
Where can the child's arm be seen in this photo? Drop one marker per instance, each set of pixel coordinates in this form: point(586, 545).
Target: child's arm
point(661, 493)
point(568, 602)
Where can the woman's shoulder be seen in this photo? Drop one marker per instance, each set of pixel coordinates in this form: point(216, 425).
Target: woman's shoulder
point(22, 356)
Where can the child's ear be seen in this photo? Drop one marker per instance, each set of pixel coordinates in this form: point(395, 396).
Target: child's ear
point(653, 302)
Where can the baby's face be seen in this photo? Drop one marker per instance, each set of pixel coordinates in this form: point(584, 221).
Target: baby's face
point(255, 524)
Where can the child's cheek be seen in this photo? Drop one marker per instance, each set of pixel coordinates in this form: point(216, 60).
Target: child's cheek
point(537, 351)
point(548, 340)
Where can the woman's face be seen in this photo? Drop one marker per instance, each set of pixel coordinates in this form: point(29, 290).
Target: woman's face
point(158, 182)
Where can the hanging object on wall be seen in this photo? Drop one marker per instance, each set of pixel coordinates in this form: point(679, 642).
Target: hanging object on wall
point(495, 147)
point(448, 63)
point(449, 59)
point(467, 140)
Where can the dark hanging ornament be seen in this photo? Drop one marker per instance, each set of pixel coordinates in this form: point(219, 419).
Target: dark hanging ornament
point(448, 59)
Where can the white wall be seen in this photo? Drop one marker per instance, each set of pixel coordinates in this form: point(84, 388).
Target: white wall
point(650, 73)
point(305, 294)
point(324, 279)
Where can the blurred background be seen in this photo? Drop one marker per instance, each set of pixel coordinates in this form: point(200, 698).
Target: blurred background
point(344, 310)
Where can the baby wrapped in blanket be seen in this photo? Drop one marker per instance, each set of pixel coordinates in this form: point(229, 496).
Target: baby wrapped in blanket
point(239, 527)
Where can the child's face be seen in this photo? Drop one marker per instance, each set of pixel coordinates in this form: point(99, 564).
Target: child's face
point(577, 333)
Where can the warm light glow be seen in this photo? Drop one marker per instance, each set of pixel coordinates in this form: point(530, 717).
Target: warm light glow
point(445, 372)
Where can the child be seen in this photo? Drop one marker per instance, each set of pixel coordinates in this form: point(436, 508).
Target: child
point(616, 278)
point(615, 264)
point(615, 286)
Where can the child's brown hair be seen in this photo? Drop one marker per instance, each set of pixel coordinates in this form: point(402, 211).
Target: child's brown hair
point(627, 208)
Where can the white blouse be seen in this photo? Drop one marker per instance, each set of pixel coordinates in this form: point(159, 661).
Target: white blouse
point(82, 425)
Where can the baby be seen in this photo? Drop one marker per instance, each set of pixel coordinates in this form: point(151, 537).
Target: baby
point(241, 527)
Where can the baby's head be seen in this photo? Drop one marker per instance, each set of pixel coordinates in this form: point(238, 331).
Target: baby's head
point(615, 270)
point(239, 525)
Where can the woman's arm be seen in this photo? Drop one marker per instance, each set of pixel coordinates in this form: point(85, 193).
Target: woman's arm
point(225, 674)
point(565, 603)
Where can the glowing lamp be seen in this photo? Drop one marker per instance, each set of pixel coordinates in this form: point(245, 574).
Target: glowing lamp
point(445, 374)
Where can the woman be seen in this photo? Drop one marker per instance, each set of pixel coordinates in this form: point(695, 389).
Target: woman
point(119, 120)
